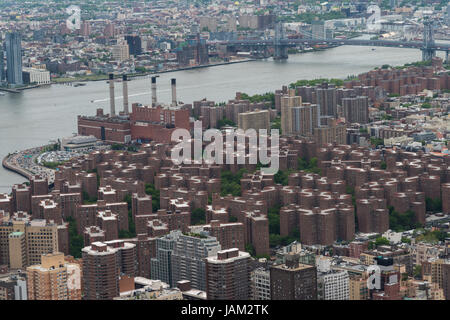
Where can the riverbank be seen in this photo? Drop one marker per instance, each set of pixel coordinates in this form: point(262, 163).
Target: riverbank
point(146, 74)
point(42, 160)
point(15, 169)
point(18, 90)
point(24, 164)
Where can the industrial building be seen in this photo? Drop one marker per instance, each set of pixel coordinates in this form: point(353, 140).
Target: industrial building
point(143, 124)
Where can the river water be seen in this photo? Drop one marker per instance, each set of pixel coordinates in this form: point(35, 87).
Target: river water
point(33, 117)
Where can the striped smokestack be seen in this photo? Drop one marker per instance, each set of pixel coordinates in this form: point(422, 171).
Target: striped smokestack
point(125, 93)
point(154, 92)
point(112, 101)
point(174, 92)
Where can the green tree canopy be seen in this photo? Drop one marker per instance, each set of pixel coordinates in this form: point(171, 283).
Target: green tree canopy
point(198, 216)
point(381, 241)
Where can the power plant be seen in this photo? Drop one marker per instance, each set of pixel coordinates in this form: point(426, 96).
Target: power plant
point(143, 124)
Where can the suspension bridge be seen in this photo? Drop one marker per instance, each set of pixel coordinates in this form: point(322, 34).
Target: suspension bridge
point(280, 43)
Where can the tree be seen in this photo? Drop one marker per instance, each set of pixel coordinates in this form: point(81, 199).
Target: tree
point(151, 190)
point(276, 124)
point(76, 241)
point(381, 241)
point(311, 166)
point(266, 97)
point(282, 177)
point(432, 236)
point(231, 183)
point(140, 69)
point(402, 221)
point(87, 199)
point(417, 271)
point(278, 240)
point(117, 146)
point(441, 235)
point(406, 240)
point(250, 249)
point(404, 276)
point(433, 205)
point(52, 165)
point(131, 233)
point(295, 234)
point(302, 164)
point(274, 240)
point(127, 199)
point(123, 234)
point(132, 148)
point(376, 141)
point(198, 217)
point(225, 122)
point(349, 190)
point(131, 224)
point(274, 220)
point(299, 83)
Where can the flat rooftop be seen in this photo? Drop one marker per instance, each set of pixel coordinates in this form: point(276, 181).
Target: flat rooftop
point(300, 266)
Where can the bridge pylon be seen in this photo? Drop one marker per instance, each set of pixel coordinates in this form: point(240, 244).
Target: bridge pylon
point(280, 52)
point(427, 54)
point(428, 41)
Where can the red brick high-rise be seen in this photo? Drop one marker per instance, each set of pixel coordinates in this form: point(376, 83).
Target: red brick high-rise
point(228, 275)
point(293, 281)
point(101, 270)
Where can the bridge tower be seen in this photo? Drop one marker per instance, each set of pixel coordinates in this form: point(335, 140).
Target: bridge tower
point(428, 41)
point(280, 49)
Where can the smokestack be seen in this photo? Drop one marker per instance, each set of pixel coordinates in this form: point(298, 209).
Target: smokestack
point(125, 93)
point(174, 92)
point(111, 95)
point(153, 91)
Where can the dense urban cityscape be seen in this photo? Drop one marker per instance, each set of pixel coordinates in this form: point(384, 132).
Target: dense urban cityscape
point(311, 184)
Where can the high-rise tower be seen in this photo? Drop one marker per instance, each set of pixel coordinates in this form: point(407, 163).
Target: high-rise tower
point(14, 58)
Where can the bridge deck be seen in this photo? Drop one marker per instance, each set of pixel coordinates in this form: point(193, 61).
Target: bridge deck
point(352, 42)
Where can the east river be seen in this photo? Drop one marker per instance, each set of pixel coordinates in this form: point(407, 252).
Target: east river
point(33, 117)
